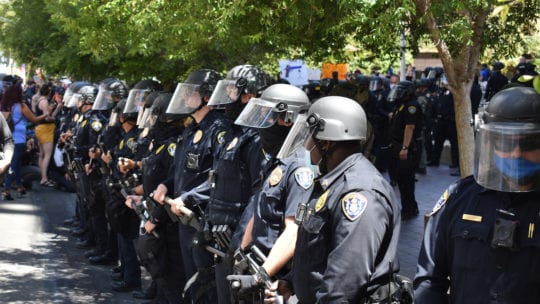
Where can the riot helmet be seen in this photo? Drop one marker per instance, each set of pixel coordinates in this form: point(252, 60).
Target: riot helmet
point(111, 90)
point(159, 108)
point(147, 109)
point(334, 119)
point(192, 94)
point(242, 79)
point(71, 97)
point(507, 156)
point(402, 92)
point(137, 97)
point(87, 94)
point(375, 83)
point(279, 102)
point(435, 73)
point(497, 66)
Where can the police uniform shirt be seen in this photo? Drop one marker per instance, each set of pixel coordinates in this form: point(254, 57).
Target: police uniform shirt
point(88, 131)
point(408, 113)
point(456, 251)
point(126, 148)
point(193, 159)
point(348, 235)
point(236, 176)
point(289, 183)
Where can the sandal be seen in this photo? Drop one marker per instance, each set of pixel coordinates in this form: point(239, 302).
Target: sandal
point(47, 183)
point(21, 191)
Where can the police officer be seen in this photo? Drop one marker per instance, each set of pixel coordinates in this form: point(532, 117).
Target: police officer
point(122, 221)
point(6, 144)
point(89, 186)
point(480, 240)
point(188, 179)
point(445, 125)
point(349, 229)
point(425, 141)
point(497, 80)
point(381, 122)
point(239, 166)
point(279, 115)
point(405, 128)
point(160, 254)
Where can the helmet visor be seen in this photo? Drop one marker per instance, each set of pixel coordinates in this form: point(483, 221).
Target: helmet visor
point(226, 92)
point(135, 103)
point(113, 118)
point(67, 96)
point(259, 114)
point(186, 99)
point(296, 138)
point(148, 118)
point(104, 100)
point(74, 100)
point(507, 157)
point(373, 84)
point(394, 94)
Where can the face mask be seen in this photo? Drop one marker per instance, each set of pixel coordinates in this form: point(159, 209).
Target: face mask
point(272, 138)
point(309, 164)
point(516, 168)
point(392, 85)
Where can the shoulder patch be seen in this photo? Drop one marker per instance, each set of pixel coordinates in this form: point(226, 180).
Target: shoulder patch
point(353, 205)
point(442, 200)
point(121, 145)
point(197, 137)
point(171, 149)
point(96, 126)
point(321, 202)
point(83, 123)
point(232, 144)
point(304, 177)
point(411, 109)
point(131, 144)
point(221, 137)
point(275, 176)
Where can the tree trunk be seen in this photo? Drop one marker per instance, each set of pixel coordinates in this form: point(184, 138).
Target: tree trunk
point(464, 126)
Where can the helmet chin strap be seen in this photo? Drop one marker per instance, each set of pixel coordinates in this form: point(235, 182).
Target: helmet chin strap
point(325, 154)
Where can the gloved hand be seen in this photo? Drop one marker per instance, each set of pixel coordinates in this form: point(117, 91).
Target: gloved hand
point(242, 285)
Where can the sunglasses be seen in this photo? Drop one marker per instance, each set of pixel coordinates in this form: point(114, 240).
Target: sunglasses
point(525, 144)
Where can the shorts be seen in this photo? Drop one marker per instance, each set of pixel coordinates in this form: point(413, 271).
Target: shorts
point(45, 133)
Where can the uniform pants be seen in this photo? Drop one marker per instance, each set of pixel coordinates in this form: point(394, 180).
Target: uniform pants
point(404, 174)
point(171, 282)
point(197, 260)
point(128, 257)
point(445, 129)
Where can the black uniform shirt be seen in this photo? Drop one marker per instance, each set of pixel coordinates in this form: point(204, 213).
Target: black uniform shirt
point(348, 236)
point(457, 252)
point(87, 133)
point(408, 113)
point(193, 159)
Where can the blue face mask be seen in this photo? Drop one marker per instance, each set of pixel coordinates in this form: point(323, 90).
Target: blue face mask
point(516, 168)
point(307, 159)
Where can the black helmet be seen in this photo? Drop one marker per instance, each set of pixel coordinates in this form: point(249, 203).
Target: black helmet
point(242, 79)
point(190, 95)
point(497, 65)
point(508, 142)
point(147, 84)
point(111, 90)
point(159, 107)
point(363, 80)
point(516, 104)
point(402, 92)
point(424, 82)
point(137, 98)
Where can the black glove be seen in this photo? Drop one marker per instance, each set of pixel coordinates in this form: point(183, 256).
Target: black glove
point(243, 284)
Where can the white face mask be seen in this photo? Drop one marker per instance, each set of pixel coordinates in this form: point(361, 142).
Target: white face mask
point(392, 85)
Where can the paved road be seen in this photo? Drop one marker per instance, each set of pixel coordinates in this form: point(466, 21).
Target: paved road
point(40, 264)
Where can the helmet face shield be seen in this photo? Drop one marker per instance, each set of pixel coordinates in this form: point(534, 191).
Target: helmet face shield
point(374, 84)
point(135, 103)
point(226, 92)
point(67, 96)
point(259, 114)
point(113, 118)
point(186, 99)
point(74, 100)
point(104, 99)
point(507, 157)
point(297, 137)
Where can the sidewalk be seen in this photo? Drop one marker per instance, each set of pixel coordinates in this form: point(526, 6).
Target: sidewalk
point(429, 188)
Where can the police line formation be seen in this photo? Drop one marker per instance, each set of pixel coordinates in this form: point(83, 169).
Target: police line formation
point(240, 190)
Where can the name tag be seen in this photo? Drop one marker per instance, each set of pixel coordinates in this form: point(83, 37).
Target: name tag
point(472, 218)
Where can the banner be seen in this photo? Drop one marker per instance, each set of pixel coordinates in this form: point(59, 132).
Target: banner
point(294, 71)
point(329, 68)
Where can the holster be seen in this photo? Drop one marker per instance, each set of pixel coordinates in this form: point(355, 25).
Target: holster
point(398, 290)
